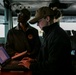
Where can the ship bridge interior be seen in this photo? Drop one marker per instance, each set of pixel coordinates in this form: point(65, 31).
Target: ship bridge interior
point(10, 8)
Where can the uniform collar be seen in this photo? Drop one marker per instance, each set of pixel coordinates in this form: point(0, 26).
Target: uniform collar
point(19, 28)
point(50, 27)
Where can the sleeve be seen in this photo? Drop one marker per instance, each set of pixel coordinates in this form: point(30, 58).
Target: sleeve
point(10, 43)
point(36, 45)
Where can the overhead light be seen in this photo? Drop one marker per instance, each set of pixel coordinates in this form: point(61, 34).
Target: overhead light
point(74, 6)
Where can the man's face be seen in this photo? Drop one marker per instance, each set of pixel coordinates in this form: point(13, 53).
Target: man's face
point(21, 18)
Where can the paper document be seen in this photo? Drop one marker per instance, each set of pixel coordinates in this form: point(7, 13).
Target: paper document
point(20, 54)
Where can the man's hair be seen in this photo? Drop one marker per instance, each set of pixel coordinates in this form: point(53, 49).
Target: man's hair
point(26, 12)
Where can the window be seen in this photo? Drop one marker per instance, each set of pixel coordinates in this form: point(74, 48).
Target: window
point(2, 32)
point(15, 21)
point(2, 27)
point(68, 23)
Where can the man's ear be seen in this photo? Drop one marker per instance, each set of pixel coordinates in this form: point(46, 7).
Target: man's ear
point(47, 18)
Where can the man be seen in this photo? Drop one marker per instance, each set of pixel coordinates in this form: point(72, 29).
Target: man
point(54, 57)
point(23, 37)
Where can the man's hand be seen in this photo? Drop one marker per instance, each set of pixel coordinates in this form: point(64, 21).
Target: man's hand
point(25, 62)
point(27, 58)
